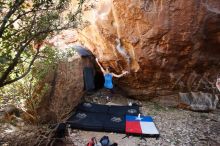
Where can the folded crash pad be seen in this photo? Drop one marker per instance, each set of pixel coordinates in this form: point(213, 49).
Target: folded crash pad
point(141, 125)
point(88, 75)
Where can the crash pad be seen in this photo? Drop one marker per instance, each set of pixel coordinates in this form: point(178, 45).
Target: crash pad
point(97, 117)
point(88, 74)
point(141, 125)
point(112, 118)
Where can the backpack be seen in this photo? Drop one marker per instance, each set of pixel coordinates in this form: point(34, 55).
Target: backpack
point(104, 141)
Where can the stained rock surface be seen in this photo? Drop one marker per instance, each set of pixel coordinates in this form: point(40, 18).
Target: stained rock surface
point(199, 101)
point(170, 45)
point(67, 88)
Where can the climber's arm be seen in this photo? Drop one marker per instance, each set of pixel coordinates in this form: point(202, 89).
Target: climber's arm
point(121, 75)
point(102, 69)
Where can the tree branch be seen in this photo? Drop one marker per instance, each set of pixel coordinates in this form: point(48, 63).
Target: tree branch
point(18, 17)
point(13, 64)
point(33, 32)
point(17, 56)
point(27, 71)
point(9, 14)
point(25, 29)
point(34, 10)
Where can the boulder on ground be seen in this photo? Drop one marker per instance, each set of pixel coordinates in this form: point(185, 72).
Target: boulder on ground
point(67, 88)
point(199, 101)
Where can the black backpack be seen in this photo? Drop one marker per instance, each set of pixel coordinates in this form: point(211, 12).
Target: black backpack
point(104, 141)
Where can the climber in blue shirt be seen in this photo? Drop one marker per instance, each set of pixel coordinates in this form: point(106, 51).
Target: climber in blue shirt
point(108, 76)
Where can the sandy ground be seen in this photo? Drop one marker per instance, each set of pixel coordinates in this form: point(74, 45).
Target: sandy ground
point(177, 127)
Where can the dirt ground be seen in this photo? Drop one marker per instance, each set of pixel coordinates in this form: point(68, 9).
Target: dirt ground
point(177, 127)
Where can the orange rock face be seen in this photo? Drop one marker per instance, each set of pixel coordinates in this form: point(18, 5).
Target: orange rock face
point(171, 45)
point(67, 88)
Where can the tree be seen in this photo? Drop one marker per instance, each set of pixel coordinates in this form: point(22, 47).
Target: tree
point(24, 24)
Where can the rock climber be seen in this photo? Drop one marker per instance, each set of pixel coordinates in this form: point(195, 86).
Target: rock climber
point(108, 77)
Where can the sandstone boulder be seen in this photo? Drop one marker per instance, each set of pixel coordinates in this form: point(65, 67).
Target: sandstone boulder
point(67, 88)
point(172, 45)
point(199, 101)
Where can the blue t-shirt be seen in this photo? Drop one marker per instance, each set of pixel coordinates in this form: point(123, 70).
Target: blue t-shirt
point(108, 81)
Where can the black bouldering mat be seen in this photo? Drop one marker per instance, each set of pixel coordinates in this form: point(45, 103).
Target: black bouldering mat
point(92, 107)
point(99, 80)
point(114, 123)
point(97, 117)
point(88, 75)
point(87, 121)
point(123, 110)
